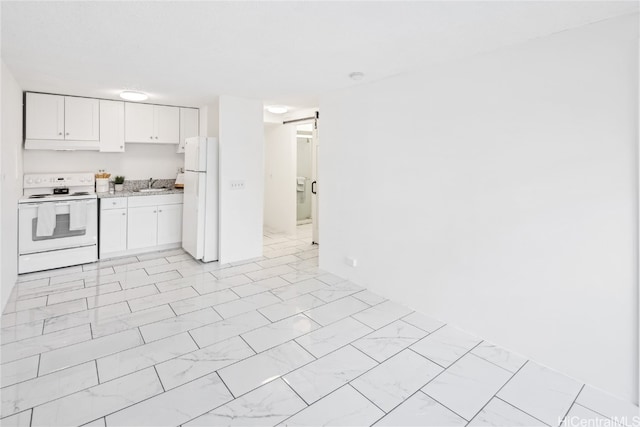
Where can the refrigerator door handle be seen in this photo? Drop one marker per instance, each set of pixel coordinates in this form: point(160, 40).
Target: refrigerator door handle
point(313, 187)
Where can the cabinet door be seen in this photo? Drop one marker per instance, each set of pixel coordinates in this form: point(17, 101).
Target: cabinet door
point(142, 227)
point(111, 126)
point(44, 116)
point(113, 230)
point(167, 124)
point(81, 116)
point(189, 123)
point(138, 122)
point(169, 224)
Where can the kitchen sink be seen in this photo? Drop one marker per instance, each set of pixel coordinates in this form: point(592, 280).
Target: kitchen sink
point(152, 190)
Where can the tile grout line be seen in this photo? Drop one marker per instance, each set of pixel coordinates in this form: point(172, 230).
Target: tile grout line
point(159, 379)
point(500, 389)
point(363, 395)
point(443, 405)
point(225, 385)
point(144, 342)
point(571, 406)
point(216, 407)
point(489, 361)
point(194, 341)
point(294, 390)
point(374, 360)
point(249, 345)
point(519, 409)
point(38, 369)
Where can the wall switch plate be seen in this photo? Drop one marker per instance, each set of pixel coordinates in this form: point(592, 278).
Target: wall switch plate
point(237, 185)
point(351, 262)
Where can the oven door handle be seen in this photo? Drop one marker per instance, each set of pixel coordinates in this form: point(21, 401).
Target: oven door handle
point(61, 204)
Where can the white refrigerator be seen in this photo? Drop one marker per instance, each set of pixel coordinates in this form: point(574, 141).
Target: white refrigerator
point(200, 210)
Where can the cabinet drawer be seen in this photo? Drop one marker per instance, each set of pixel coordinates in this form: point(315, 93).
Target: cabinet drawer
point(113, 203)
point(165, 199)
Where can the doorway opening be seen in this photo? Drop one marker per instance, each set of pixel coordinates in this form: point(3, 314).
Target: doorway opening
point(304, 169)
point(291, 179)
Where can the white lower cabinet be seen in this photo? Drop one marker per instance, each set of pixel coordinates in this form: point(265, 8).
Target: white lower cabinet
point(143, 227)
point(169, 224)
point(113, 225)
point(113, 230)
point(140, 223)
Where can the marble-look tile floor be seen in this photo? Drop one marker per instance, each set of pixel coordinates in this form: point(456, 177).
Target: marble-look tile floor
point(162, 340)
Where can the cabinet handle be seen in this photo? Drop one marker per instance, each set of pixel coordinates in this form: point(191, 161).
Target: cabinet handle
point(121, 146)
point(156, 137)
point(159, 210)
point(150, 137)
point(123, 214)
point(59, 133)
point(67, 133)
point(154, 211)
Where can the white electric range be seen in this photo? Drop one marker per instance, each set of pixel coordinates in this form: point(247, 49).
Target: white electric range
point(57, 221)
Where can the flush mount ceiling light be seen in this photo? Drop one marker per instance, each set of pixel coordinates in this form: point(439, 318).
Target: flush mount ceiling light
point(356, 75)
point(131, 95)
point(277, 109)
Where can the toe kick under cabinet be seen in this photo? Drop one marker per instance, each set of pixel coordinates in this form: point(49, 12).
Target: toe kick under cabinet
point(137, 224)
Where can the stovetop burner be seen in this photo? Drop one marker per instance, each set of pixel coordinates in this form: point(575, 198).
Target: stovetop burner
point(80, 193)
point(39, 196)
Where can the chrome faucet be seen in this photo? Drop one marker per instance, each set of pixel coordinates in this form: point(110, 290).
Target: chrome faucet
point(151, 182)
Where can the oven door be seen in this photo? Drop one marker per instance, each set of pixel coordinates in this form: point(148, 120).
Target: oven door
point(62, 237)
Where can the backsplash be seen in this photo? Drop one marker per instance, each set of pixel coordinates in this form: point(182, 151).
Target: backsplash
point(138, 184)
point(140, 161)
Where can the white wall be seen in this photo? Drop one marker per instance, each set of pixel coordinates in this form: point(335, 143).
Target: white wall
point(139, 161)
point(280, 178)
point(209, 119)
point(499, 193)
point(10, 181)
point(241, 133)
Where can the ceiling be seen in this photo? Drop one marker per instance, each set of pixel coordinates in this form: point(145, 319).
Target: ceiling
point(187, 53)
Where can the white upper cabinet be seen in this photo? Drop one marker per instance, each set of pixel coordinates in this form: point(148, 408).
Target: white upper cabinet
point(57, 117)
point(152, 123)
point(167, 124)
point(138, 120)
point(111, 126)
point(45, 116)
point(189, 125)
point(60, 122)
point(81, 118)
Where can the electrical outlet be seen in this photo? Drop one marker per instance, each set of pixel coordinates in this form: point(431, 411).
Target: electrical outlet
point(237, 185)
point(351, 262)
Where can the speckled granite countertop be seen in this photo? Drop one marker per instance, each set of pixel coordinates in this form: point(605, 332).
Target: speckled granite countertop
point(131, 188)
point(130, 193)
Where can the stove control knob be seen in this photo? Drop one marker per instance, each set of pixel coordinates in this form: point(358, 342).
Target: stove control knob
point(38, 180)
point(29, 181)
